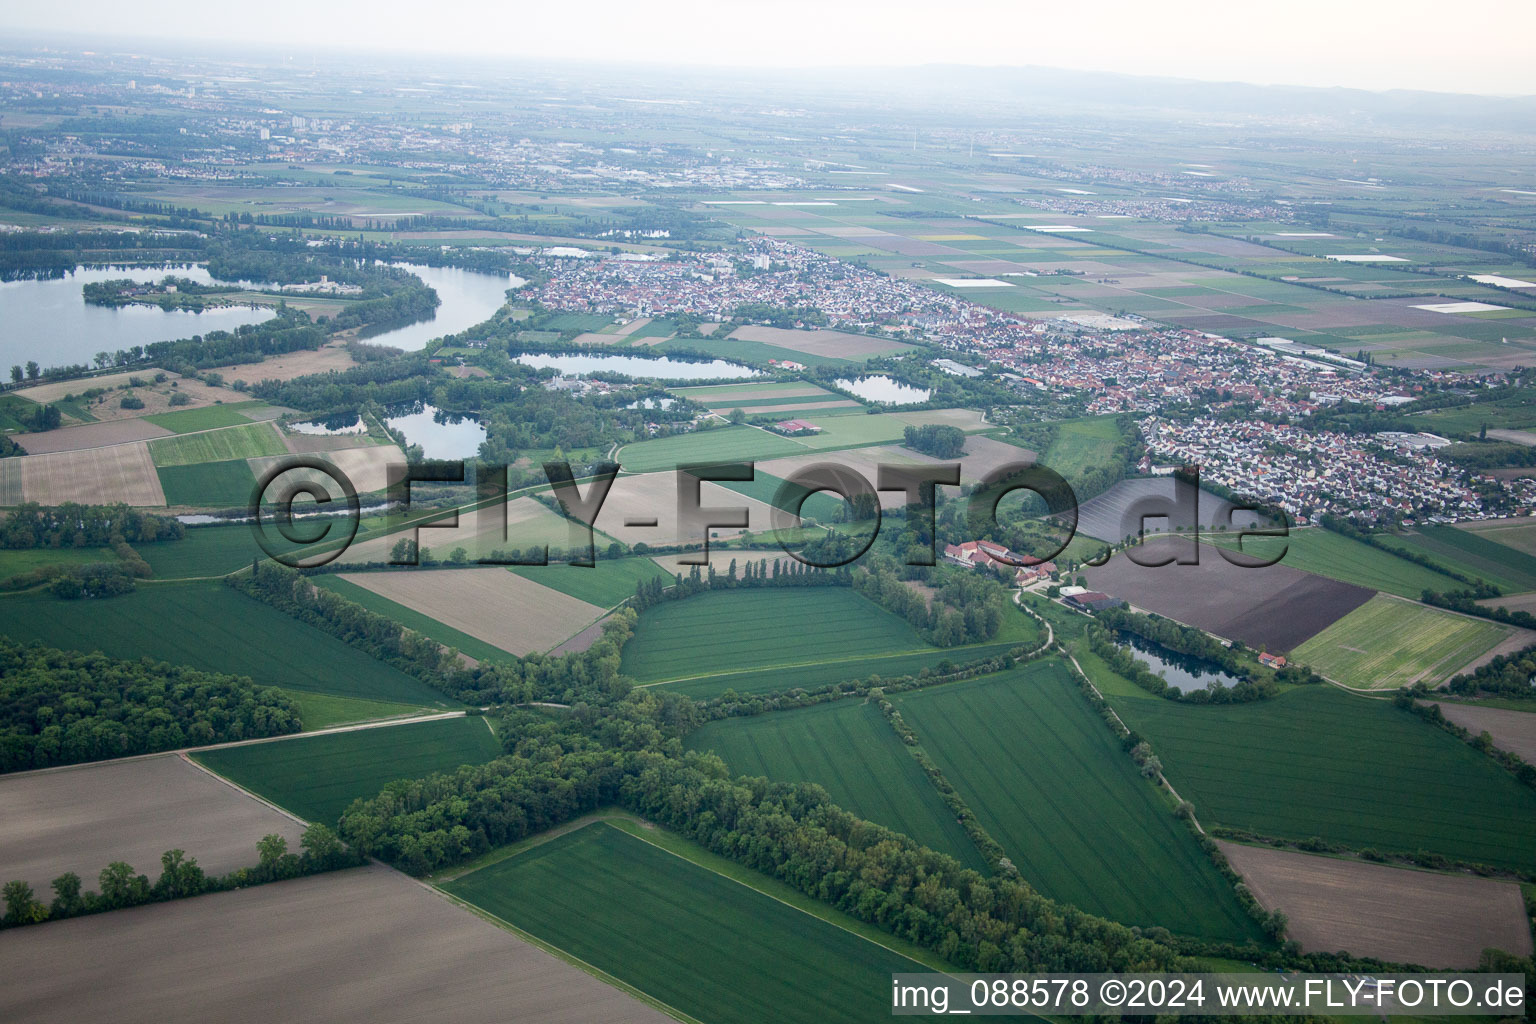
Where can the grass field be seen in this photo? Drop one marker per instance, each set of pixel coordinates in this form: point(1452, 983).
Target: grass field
point(700, 942)
point(1512, 412)
point(1047, 778)
point(1319, 762)
point(849, 748)
point(23, 560)
point(605, 584)
point(318, 777)
point(1517, 534)
point(823, 506)
point(206, 418)
point(214, 628)
point(755, 628)
point(723, 444)
point(1081, 444)
point(1338, 557)
point(1387, 643)
point(1473, 554)
point(321, 710)
point(253, 440)
point(226, 484)
point(444, 634)
point(756, 641)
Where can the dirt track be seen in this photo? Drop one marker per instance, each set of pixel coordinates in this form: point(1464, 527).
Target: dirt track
point(367, 944)
point(1395, 914)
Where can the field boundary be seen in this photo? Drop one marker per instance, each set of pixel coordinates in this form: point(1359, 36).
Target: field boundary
point(232, 784)
point(559, 953)
point(187, 751)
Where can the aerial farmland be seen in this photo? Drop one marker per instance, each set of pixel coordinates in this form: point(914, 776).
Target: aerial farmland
point(595, 514)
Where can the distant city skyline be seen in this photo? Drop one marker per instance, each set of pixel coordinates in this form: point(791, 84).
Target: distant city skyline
point(1367, 44)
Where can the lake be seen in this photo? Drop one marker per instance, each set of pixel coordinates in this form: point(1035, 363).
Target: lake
point(664, 368)
point(885, 390)
point(1182, 672)
point(468, 298)
point(50, 322)
point(441, 435)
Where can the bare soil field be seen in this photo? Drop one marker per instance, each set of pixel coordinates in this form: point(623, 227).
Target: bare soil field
point(367, 944)
point(583, 640)
point(1395, 914)
point(833, 344)
point(294, 364)
point(96, 476)
point(965, 419)
point(490, 604)
point(1117, 512)
point(83, 817)
point(88, 435)
point(982, 456)
point(1514, 602)
point(1514, 731)
point(366, 467)
point(649, 496)
point(1276, 607)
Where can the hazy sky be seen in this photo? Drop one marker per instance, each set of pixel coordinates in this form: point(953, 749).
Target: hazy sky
point(1373, 44)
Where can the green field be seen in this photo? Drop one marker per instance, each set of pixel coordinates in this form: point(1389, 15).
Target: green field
point(225, 484)
point(1048, 779)
point(761, 640)
point(20, 560)
point(605, 584)
point(321, 710)
point(1474, 555)
point(849, 748)
point(723, 444)
point(1316, 761)
point(1513, 412)
point(812, 675)
point(754, 628)
point(412, 619)
point(823, 506)
point(1387, 643)
point(1338, 557)
point(250, 441)
point(318, 777)
point(1516, 534)
point(1080, 445)
point(217, 629)
point(220, 550)
point(206, 418)
point(697, 941)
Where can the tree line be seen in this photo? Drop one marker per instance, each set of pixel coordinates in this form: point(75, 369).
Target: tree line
point(789, 831)
point(73, 525)
point(959, 607)
point(180, 877)
point(64, 707)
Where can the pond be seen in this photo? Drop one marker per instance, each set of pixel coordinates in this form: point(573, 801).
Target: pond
point(441, 435)
point(468, 298)
point(664, 368)
point(333, 426)
point(1182, 672)
point(885, 391)
point(49, 320)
